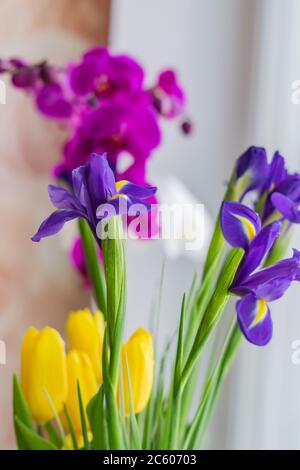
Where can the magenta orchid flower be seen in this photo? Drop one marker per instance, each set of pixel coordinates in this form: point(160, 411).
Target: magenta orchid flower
point(105, 75)
point(114, 128)
point(168, 96)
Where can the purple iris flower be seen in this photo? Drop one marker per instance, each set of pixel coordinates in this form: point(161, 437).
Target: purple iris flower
point(252, 171)
point(281, 192)
point(168, 96)
point(285, 198)
point(93, 186)
point(277, 172)
point(242, 229)
point(106, 75)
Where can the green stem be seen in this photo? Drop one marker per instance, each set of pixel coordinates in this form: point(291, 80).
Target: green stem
point(175, 420)
point(92, 264)
point(202, 297)
point(215, 250)
point(115, 274)
point(213, 311)
point(212, 388)
point(113, 422)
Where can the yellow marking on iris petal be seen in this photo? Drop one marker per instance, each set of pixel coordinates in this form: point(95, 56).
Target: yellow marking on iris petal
point(261, 311)
point(249, 228)
point(117, 196)
point(120, 185)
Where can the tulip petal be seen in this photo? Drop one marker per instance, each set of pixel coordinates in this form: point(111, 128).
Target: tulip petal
point(85, 333)
point(79, 369)
point(47, 372)
point(138, 354)
point(27, 348)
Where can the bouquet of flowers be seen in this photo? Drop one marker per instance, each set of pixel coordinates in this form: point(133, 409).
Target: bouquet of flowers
point(104, 393)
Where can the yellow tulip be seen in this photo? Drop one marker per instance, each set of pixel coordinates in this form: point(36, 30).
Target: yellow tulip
point(85, 333)
point(43, 371)
point(79, 369)
point(138, 364)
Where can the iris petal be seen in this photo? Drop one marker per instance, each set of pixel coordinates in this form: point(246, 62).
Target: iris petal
point(239, 223)
point(258, 249)
point(254, 319)
point(251, 170)
point(286, 206)
point(135, 191)
point(62, 199)
point(54, 223)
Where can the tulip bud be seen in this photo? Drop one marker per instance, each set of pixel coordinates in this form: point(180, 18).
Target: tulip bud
point(138, 364)
point(85, 332)
point(79, 369)
point(43, 372)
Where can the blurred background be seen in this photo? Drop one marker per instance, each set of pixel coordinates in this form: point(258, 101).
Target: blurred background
point(237, 60)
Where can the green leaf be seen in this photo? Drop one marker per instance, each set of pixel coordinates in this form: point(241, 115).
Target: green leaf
point(214, 309)
point(96, 415)
point(215, 250)
point(179, 352)
point(53, 435)
point(71, 428)
point(20, 410)
point(93, 265)
point(113, 422)
point(133, 422)
point(122, 412)
point(177, 388)
point(212, 387)
point(87, 444)
point(160, 433)
point(57, 418)
point(31, 439)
